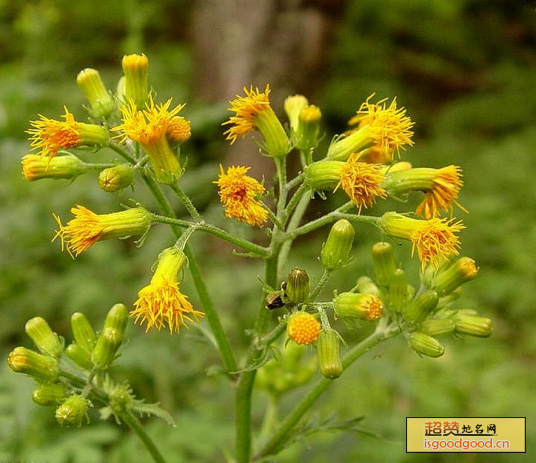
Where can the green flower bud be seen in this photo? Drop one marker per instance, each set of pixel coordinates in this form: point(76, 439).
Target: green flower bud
point(293, 106)
point(383, 262)
point(308, 128)
point(426, 345)
point(337, 247)
point(447, 280)
point(297, 286)
point(472, 325)
point(135, 70)
point(73, 411)
point(116, 178)
point(39, 366)
point(421, 306)
point(107, 345)
point(66, 166)
point(327, 348)
point(366, 286)
point(79, 356)
point(355, 305)
point(117, 318)
point(100, 101)
point(49, 393)
point(83, 332)
point(437, 326)
point(398, 290)
point(120, 397)
point(43, 337)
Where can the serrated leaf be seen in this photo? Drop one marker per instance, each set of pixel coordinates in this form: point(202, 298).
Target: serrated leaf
point(152, 409)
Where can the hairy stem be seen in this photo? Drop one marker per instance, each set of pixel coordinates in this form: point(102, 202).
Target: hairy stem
point(134, 424)
point(224, 347)
point(283, 433)
point(183, 198)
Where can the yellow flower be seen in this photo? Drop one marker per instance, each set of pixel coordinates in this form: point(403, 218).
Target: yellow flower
point(150, 127)
point(238, 193)
point(49, 135)
point(253, 111)
point(135, 69)
point(87, 228)
point(435, 240)
point(161, 303)
point(361, 181)
point(303, 328)
point(441, 187)
point(446, 185)
point(35, 167)
point(386, 127)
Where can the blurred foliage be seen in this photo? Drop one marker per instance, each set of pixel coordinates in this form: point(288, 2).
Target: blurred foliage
point(465, 71)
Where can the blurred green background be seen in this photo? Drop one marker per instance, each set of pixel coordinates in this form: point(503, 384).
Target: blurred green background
point(465, 71)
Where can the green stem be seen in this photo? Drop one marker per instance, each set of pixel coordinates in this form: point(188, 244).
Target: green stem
point(134, 424)
point(281, 167)
point(294, 201)
point(332, 216)
point(213, 230)
point(292, 225)
point(185, 201)
point(214, 322)
point(283, 433)
point(320, 286)
point(123, 152)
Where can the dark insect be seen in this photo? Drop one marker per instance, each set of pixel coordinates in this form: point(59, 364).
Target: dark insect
point(274, 300)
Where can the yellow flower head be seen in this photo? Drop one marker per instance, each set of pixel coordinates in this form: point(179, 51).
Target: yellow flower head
point(303, 328)
point(253, 111)
point(179, 130)
point(151, 127)
point(361, 181)
point(87, 228)
point(49, 135)
point(446, 185)
point(247, 108)
point(35, 167)
point(238, 193)
point(161, 303)
point(147, 126)
point(388, 126)
point(372, 307)
point(435, 240)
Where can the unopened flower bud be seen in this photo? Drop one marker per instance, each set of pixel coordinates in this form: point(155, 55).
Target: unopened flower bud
point(120, 397)
point(456, 274)
point(66, 166)
point(135, 70)
point(297, 290)
point(116, 178)
point(100, 101)
point(293, 105)
point(43, 337)
point(73, 411)
point(398, 290)
point(111, 337)
point(79, 356)
point(472, 325)
point(83, 332)
point(303, 328)
point(337, 247)
point(41, 367)
point(308, 128)
point(421, 306)
point(328, 350)
point(426, 345)
point(366, 286)
point(49, 393)
point(437, 326)
point(383, 262)
point(356, 305)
